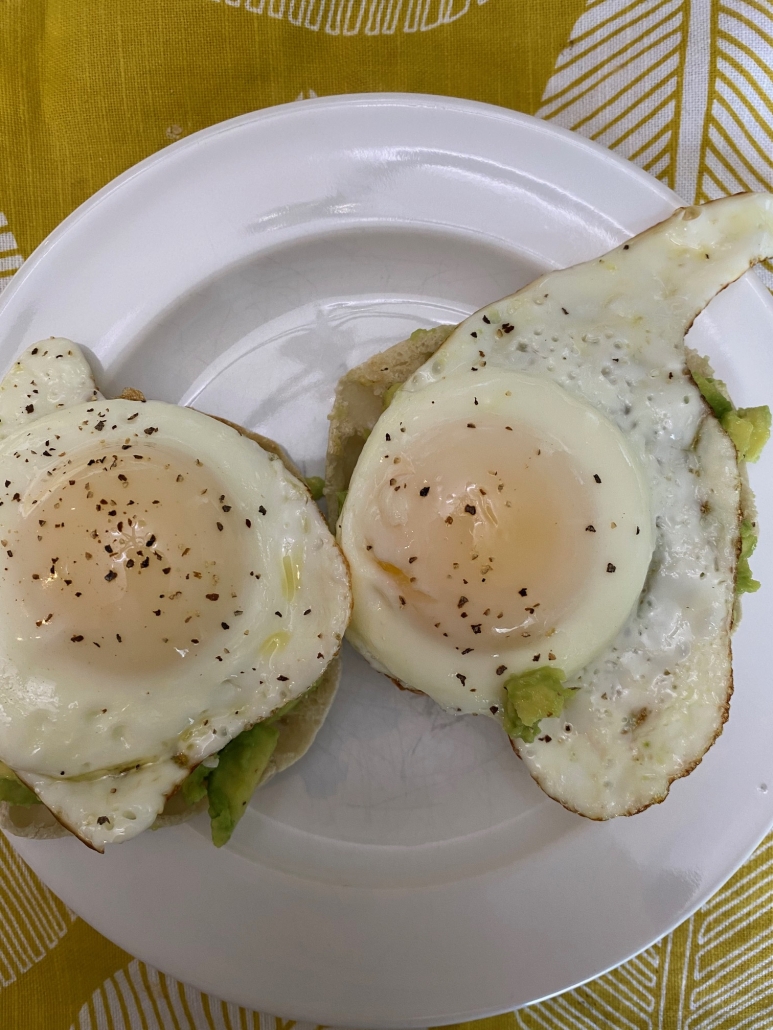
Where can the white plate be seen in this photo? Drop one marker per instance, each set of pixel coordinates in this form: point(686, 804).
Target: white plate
point(407, 871)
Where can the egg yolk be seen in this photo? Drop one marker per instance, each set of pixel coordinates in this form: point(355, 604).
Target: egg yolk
point(126, 563)
point(484, 532)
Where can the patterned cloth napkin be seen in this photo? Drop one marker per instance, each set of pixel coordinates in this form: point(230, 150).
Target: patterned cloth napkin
point(682, 87)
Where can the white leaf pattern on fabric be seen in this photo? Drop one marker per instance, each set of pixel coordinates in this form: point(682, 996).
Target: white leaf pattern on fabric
point(32, 919)
point(636, 77)
point(140, 998)
point(10, 258)
point(628, 998)
point(371, 17)
point(620, 80)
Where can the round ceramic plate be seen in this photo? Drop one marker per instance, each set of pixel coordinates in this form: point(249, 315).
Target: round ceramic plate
point(407, 871)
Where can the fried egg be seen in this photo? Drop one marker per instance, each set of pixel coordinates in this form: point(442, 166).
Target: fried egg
point(165, 583)
point(550, 489)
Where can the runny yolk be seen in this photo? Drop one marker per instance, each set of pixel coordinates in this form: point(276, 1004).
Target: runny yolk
point(128, 565)
point(481, 533)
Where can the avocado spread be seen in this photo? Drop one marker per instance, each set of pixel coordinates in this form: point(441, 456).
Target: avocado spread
point(531, 696)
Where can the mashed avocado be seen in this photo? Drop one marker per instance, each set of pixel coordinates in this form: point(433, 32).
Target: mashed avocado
point(316, 485)
point(13, 790)
point(531, 696)
point(744, 583)
point(748, 428)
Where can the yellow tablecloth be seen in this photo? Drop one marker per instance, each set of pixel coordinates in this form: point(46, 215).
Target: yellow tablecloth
point(87, 88)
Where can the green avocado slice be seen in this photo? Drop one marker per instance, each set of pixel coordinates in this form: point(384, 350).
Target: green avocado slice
point(231, 784)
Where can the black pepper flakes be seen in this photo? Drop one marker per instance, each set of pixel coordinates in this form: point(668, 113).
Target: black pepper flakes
point(262, 510)
point(611, 567)
point(282, 679)
point(111, 576)
point(470, 509)
point(487, 320)
point(461, 602)
point(424, 491)
point(590, 529)
point(30, 408)
point(462, 679)
point(76, 638)
point(212, 597)
point(536, 658)
point(494, 709)
point(500, 670)
point(219, 526)
point(597, 477)
point(522, 591)
point(225, 625)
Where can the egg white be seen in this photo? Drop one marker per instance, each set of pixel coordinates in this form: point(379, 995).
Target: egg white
point(649, 703)
point(103, 747)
